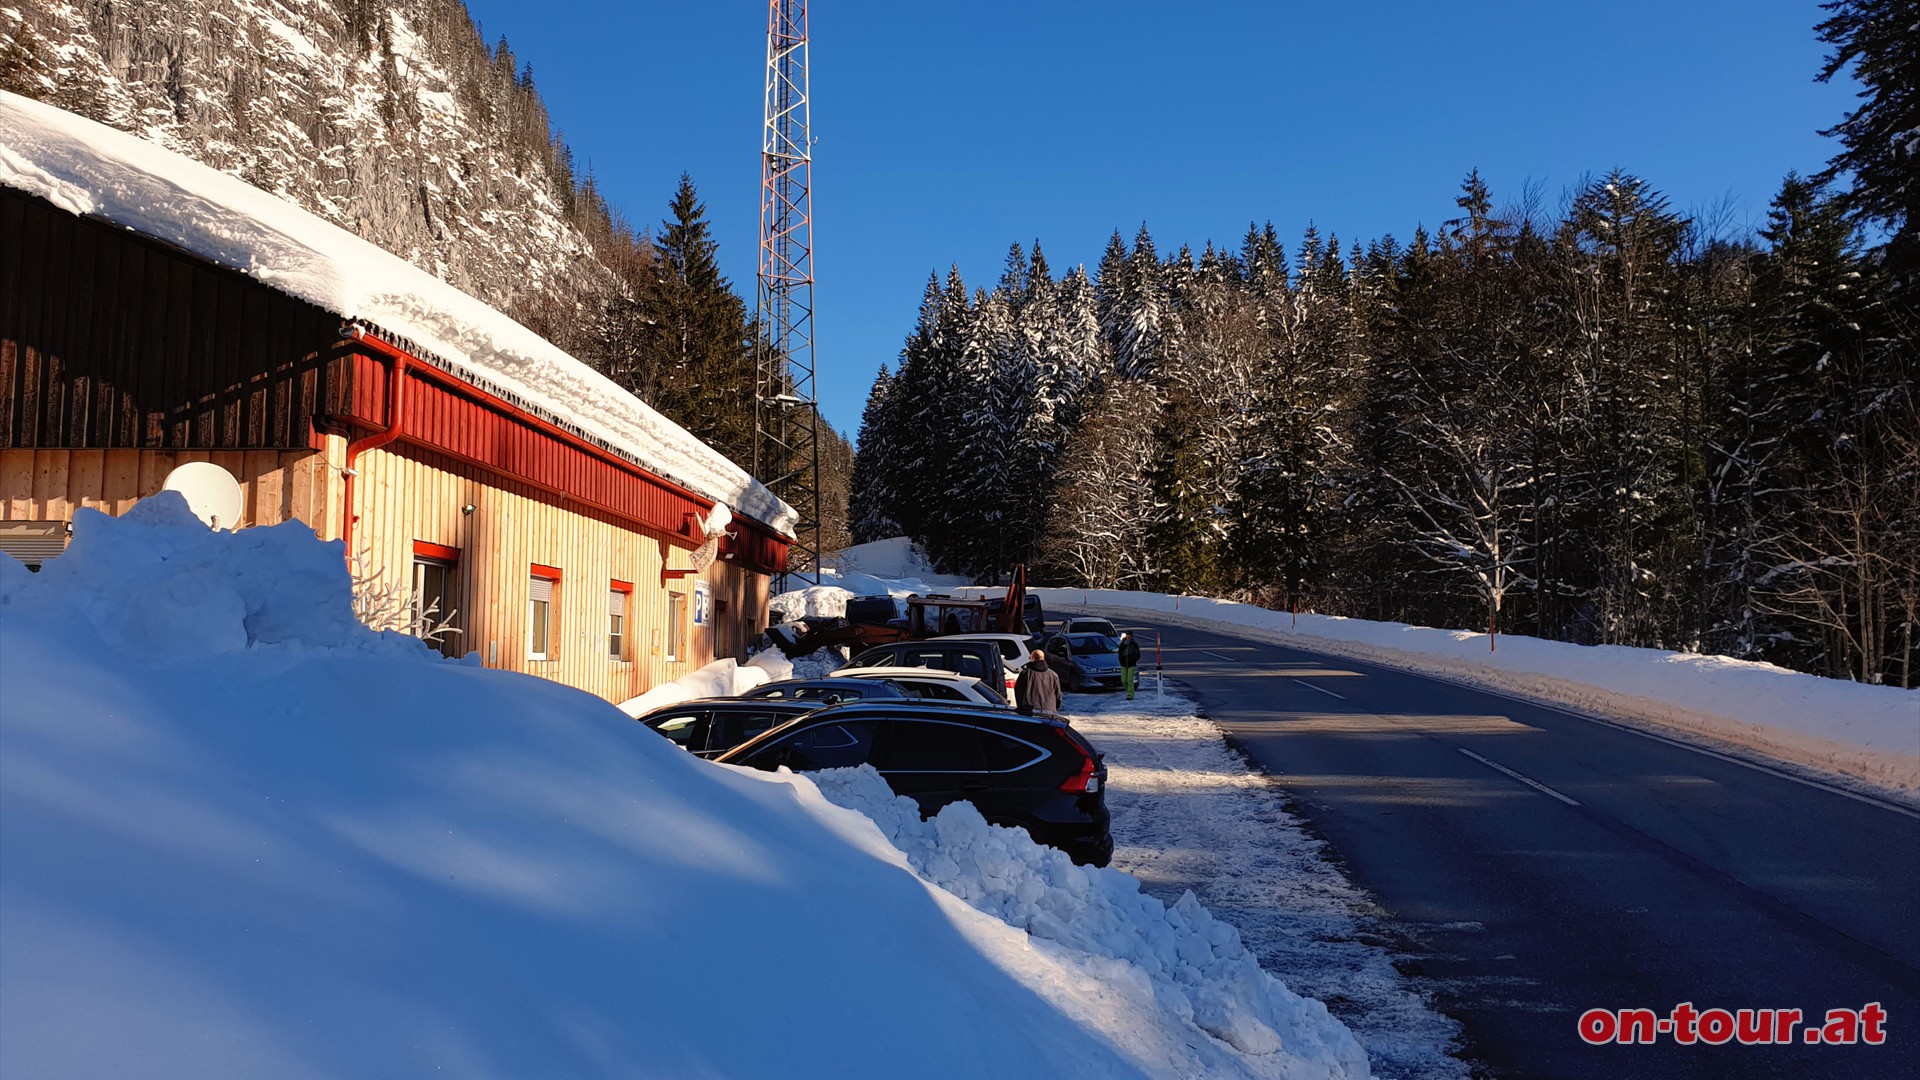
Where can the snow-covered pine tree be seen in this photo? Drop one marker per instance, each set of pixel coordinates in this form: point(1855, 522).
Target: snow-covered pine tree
point(872, 499)
point(699, 358)
point(1043, 426)
point(993, 387)
point(1877, 41)
point(909, 460)
point(1097, 529)
point(1147, 330)
point(938, 419)
point(1620, 244)
point(1836, 529)
point(1084, 359)
point(1207, 384)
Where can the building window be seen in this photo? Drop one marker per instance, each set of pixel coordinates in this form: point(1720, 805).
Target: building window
point(542, 594)
point(617, 595)
point(436, 596)
point(676, 626)
point(33, 542)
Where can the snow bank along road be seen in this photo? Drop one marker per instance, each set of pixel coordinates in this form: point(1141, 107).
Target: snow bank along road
point(1545, 864)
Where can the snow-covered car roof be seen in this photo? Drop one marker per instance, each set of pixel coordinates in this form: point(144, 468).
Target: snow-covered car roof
point(93, 170)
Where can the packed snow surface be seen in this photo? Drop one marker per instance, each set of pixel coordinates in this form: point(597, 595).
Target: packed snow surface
point(1852, 730)
point(1190, 813)
point(93, 170)
point(241, 836)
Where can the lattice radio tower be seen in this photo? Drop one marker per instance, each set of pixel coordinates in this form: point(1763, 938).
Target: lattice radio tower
point(786, 452)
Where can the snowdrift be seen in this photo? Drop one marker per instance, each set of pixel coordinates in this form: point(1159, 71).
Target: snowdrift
point(241, 836)
point(724, 677)
point(1867, 733)
point(890, 567)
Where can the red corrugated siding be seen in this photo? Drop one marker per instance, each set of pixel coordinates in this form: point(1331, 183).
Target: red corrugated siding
point(755, 547)
point(464, 422)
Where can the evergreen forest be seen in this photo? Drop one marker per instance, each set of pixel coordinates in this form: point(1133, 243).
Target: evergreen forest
point(1607, 422)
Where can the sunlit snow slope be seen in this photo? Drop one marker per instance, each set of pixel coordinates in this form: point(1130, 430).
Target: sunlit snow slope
point(240, 836)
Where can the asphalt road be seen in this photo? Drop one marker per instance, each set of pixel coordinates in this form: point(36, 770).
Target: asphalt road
point(1542, 864)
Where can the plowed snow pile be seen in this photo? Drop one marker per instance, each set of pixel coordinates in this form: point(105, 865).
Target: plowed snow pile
point(241, 836)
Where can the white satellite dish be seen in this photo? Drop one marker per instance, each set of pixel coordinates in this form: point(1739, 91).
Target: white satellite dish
point(717, 521)
point(211, 492)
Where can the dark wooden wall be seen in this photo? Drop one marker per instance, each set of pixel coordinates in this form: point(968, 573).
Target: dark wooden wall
point(110, 340)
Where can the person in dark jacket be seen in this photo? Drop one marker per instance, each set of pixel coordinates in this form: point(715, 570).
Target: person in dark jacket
point(1037, 691)
point(1129, 662)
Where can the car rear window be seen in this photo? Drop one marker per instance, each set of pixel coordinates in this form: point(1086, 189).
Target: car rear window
point(731, 728)
point(932, 746)
point(687, 729)
point(1005, 754)
point(823, 746)
point(823, 693)
point(935, 691)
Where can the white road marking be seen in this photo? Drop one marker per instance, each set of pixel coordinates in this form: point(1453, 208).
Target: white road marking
point(1535, 784)
point(1617, 726)
point(1322, 689)
point(1217, 656)
point(1631, 730)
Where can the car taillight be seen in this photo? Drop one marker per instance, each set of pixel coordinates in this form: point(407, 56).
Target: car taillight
point(1083, 782)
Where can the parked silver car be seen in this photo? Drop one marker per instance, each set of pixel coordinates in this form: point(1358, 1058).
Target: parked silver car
point(1085, 661)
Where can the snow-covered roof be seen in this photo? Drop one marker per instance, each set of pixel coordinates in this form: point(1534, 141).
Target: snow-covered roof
point(94, 170)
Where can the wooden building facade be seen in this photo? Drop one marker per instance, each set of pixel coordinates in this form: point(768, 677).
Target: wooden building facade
point(122, 357)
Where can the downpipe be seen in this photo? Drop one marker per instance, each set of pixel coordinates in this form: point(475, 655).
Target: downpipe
point(397, 360)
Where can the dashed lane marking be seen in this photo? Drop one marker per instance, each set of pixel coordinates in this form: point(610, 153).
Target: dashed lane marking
point(1322, 689)
point(1535, 784)
point(1630, 729)
point(1804, 781)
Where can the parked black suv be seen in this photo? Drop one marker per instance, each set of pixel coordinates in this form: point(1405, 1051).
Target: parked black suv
point(980, 659)
point(710, 726)
point(1034, 773)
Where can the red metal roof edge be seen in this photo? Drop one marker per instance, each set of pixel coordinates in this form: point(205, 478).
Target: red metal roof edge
point(546, 416)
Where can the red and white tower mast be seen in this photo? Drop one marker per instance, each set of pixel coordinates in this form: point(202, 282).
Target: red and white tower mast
point(786, 454)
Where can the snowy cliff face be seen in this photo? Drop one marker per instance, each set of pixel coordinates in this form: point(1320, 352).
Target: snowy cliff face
point(390, 118)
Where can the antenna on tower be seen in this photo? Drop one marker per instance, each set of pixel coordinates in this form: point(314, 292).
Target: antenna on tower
point(786, 454)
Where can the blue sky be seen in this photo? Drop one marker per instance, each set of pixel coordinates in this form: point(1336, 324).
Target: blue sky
point(945, 132)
